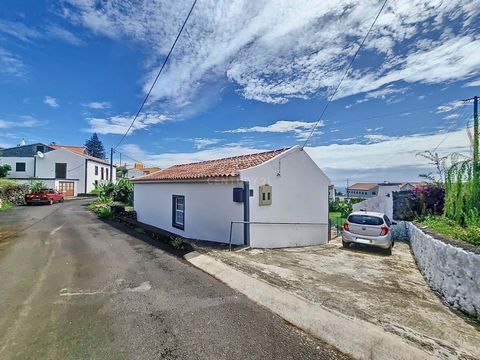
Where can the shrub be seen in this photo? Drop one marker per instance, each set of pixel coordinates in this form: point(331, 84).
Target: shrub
point(124, 191)
point(105, 189)
point(12, 192)
point(36, 186)
point(177, 242)
point(4, 169)
point(429, 199)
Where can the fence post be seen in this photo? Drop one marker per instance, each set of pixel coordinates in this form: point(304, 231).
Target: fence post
point(329, 230)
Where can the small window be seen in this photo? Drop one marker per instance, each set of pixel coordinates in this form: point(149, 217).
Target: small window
point(101, 176)
point(96, 170)
point(365, 220)
point(178, 211)
point(60, 170)
point(20, 166)
point(40, 148)
point(106, 171)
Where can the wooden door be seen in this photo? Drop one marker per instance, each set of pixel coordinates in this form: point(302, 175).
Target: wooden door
point(67, 188)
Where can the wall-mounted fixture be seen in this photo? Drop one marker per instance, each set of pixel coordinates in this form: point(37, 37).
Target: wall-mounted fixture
point(238, 195)
point(265, 195)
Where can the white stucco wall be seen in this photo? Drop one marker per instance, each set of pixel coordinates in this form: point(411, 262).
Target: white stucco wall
point(299, 194)
point(91, 177)
point(209, 209)
point(75, 166)
point(29, 162)
point(380, 203)
point(451, 271)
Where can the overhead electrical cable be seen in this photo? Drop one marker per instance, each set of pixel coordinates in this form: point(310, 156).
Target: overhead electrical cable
point(158, 74)
point(344, 74)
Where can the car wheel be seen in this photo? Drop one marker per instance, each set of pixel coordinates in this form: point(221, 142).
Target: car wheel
point(61, 200)
point(345, 244)
point(388, 251)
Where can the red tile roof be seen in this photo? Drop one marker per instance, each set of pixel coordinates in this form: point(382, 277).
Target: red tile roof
point(227, 167)
point(75, 149)
point(362, 186)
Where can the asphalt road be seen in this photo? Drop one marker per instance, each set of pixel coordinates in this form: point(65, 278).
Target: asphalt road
point(74, 287)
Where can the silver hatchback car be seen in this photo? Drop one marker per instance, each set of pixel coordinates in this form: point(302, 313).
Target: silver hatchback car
point(369, 228)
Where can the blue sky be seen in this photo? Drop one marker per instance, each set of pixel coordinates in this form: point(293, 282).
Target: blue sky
point(245, 76)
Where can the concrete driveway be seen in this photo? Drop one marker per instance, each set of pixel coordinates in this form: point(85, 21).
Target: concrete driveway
point(362, 283)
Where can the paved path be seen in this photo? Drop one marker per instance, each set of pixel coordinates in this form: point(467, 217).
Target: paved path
point(73, 287)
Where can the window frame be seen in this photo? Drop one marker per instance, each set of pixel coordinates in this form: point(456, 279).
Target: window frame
point(175, 224)
point(56, 171)
point(24, 166)
point(102, 171)
point(96, 170)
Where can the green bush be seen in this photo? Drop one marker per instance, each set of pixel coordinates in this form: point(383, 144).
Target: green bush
point(36, 186)
point(124, 191)
point(12, 192)
point(177, 242)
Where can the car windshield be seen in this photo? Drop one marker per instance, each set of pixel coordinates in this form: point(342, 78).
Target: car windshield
point(365, 220)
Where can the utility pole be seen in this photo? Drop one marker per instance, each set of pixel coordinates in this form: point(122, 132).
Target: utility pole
point(111, 163)
point(347, 188)
point(476, 165)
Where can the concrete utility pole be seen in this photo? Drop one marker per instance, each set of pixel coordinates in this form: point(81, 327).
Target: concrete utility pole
point(111, 163)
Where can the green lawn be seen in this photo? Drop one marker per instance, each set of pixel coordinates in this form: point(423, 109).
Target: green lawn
point(336, 217)
point(441, 225)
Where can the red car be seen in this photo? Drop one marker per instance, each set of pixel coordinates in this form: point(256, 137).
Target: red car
point(44, 196)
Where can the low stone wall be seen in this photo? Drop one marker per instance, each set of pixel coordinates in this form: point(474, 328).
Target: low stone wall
point(452, 272)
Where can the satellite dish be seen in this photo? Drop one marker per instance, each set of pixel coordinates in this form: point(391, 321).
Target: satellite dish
point(40, 154)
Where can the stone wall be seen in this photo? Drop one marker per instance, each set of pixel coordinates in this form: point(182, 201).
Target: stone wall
point(452, 272)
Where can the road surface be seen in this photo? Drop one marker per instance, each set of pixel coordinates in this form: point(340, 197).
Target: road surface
point(74, 287)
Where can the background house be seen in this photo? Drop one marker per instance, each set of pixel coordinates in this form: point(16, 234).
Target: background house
point(136, 170)
point(200, 200)
point(66, 168)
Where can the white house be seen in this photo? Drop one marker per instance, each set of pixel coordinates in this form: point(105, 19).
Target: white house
point(282, 196)
point(66, 168)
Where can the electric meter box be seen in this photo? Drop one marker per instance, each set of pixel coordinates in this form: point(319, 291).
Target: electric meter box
point(265, 195)
point(238, 195)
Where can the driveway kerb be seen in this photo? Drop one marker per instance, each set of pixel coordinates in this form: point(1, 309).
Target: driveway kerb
point(352, 336)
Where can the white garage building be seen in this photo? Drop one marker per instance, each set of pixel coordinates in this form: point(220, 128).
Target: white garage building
point(286, 206)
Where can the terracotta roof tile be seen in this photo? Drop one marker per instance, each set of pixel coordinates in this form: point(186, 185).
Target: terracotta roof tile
point(362, 186)
point(75, 149)
point(227, 167)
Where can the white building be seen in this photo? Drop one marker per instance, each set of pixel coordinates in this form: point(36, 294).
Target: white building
point(287, 202)
point(65, 168)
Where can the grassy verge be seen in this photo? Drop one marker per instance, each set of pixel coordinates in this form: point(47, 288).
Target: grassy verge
point(5, 206)
point(336, 218)
point(444, 226)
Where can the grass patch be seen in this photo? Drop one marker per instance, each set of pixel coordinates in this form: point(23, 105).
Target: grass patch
point(5, 205)
point(450, 228)
point(336, 218)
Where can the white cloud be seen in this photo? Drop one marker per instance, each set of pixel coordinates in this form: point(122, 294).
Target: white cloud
point(51, 101)
point(119, 124)
point(451, 116)
point(168, 159)
point(21, 121)
point(57, 32)
point(276, 50)
point(451, 106)
point(392, 159)
point(98, 105)
point(10, 64)
point(473, 83)
point(386, 94)
point(201, 143)
point(18, 30)
point(301, 129)
point(374, 138)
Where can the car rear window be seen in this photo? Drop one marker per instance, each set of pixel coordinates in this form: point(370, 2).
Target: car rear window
point(365, 220)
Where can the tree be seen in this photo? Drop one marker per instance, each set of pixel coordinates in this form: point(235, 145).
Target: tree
point(441, 164)
point(4, 169)
point(94, 147)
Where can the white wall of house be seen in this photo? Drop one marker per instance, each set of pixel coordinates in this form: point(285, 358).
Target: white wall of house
point(96, 175)
point(75, 167)
point(12, 161)
point(209, 209)
point(382, 203)
point(299, 194)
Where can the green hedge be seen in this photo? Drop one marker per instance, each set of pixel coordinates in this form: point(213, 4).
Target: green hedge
point(12, 192)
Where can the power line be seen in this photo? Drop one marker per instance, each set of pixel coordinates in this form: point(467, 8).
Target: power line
point(345, 74)
point(158, 75)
